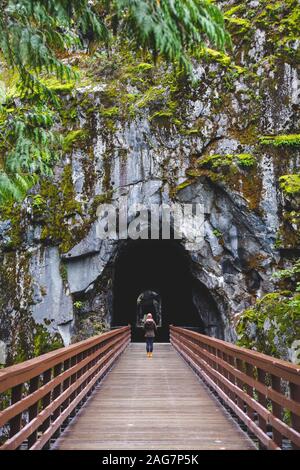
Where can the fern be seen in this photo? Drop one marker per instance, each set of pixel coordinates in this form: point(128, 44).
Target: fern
point(33, 147)
point(14, 187)
point(35, 34)
point(171, 28)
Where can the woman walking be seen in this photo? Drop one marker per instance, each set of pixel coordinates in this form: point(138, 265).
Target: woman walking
point(150, 331)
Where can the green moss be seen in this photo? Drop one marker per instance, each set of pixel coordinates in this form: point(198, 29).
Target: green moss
point(144, 66)
point(44, 342)
point(198, 172)
point(61, 209)
point(241, 25)
point(13, 211)
point(153, 94)
point(272, 326)
point(58, 86)
point(216, 161)
point(103, 198)
point(75, 137)
point(290, 184)
point(163, 114)
point(240, 8)
point(140, 68)
point(240, 70)
point(237, 171)
point(89, 324)
point(245, 160)
point(183, 185)
point(63, 272)
point(290, 140)
point(175, 189)
point(246, 136)
point(214, 56)
point(217, 233)
point(112, 112)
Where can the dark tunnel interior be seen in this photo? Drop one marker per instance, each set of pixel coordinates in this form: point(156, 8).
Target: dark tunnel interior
point(161, 266)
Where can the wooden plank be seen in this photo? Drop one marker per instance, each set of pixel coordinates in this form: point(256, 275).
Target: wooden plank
point(152, 403)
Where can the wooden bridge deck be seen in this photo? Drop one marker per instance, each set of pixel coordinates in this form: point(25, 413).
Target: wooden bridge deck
point(156, 403)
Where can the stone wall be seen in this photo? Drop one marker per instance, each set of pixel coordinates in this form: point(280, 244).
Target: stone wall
point(150, 134)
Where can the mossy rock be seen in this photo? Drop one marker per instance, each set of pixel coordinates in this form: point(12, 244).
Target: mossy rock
point(217, 162)
point(272, 325)
point(290, 184)
point(211, 55)
point(289, 140)
point(112, 112)
point(76, 137)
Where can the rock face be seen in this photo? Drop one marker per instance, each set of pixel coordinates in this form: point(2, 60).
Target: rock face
point(52, 303)
point(156, 138)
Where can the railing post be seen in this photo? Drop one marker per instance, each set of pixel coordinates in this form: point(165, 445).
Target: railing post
point(74, 360)
point(295, 395)
point(249, 388)
point(219, 355)
point(46, 402)
point(65, 386)
point(261, 377)
point(33, 410)
point(240, 384)
point(15, 423)
point(231, 376)
point(276, 409)
point(56, 394)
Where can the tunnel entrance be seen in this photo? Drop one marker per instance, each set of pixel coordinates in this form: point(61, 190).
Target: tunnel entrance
point(163, 268)
point(160, 267)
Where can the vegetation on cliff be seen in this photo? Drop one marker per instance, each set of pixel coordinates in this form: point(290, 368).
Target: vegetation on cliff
point(36, 38)
point(127, 60)
point(272, 326)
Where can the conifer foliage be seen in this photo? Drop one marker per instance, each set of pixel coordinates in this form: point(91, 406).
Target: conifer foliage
point(36, 34)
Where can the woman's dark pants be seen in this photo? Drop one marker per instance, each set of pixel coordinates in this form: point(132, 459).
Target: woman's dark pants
point(149, 344)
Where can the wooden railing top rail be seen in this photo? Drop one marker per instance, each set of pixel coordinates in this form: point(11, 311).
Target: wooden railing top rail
point(24, 371)
point(270, 364)
point(264, 392)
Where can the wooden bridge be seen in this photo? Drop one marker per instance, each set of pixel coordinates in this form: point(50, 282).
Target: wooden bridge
point(195, 393)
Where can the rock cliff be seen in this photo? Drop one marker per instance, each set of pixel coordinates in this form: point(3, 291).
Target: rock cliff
point(228, 139)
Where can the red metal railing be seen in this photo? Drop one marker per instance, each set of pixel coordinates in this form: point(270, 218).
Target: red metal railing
point(263, 392)
point(42, 393)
